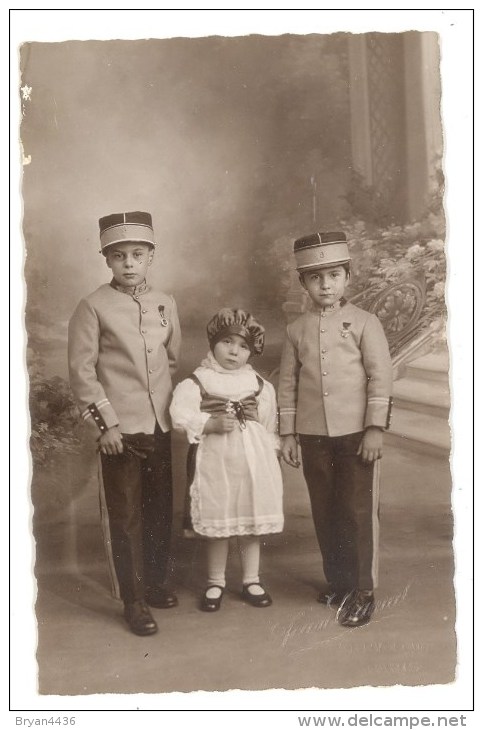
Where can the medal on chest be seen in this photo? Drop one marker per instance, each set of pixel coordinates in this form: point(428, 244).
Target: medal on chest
point(164, 321)
point(346, 328)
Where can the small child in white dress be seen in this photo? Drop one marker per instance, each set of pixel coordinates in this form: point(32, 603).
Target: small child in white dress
point(229, 415)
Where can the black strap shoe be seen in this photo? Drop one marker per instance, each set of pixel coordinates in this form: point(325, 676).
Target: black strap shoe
point(211, 604)
point(332, 596)
point(356, 609)
point(139, 618)
point(259, 600)
point(161, 598)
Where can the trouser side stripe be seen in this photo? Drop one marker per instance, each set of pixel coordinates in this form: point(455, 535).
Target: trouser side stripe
point(116, 592)
point(376, 477)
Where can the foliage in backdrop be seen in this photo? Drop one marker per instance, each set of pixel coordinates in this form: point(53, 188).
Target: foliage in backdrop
point(54, 416)
point(383, 251)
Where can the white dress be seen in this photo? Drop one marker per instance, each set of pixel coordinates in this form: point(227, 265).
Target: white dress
point(237, 485)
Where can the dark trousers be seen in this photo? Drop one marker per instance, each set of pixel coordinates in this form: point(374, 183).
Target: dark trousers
point(139, 499)
point(344, 496)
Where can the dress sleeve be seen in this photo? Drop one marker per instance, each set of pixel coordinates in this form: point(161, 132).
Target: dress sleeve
point(378, 367)
point(83, 351)
point(267, 412)
point(185, 411)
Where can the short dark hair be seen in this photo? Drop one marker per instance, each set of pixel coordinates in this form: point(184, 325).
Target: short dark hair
point(106, 249)
point(346, 266)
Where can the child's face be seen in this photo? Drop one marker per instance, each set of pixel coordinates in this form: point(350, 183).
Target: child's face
point(232, 352)
point(325, 286)
point(129, 262)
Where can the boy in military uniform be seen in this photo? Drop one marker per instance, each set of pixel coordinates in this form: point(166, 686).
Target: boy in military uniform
point(124, 342)
point(335, 400)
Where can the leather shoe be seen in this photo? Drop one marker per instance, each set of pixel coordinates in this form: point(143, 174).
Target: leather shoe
point(356, 609)
point(259, 600)
point(139, 618)
point(332, 597)
point(211, 604)
point(161, 598)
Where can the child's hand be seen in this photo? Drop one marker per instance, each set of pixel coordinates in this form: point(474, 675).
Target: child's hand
point(370, 447)
point(111, 441)
point(224, 423)
point(290, 451)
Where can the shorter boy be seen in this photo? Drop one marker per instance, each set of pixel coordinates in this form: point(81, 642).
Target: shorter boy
point(335, 400)
point(124, 342)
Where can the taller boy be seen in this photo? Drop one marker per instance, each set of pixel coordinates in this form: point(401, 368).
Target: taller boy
point(335, 399)
point(124, 342)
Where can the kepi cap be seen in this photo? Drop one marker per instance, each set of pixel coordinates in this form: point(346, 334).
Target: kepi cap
point(135, 226)
point(320, 250)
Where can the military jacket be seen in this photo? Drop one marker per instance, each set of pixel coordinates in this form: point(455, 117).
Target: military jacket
point(123, 348)
point(335, 373)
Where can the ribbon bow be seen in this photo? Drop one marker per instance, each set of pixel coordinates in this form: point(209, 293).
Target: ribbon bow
point(235, 407)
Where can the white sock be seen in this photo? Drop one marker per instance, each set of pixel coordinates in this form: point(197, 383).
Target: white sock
point(217, 555)
point(249, 547)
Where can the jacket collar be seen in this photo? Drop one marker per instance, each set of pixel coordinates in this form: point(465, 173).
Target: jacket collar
point(332, 309)
point(131, 290)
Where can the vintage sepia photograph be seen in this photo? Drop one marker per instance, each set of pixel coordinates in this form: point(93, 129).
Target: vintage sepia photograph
point(238, 361)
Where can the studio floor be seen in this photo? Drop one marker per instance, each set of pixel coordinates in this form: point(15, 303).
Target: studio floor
point(84, 646)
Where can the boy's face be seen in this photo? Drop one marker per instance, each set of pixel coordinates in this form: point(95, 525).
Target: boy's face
point(129, 262)
point(232, 352)
point(325, 286)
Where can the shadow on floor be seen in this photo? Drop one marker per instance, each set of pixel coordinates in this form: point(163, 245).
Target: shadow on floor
point(85, 648)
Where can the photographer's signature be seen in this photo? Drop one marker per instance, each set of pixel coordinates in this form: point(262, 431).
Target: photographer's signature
point(300, 626)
